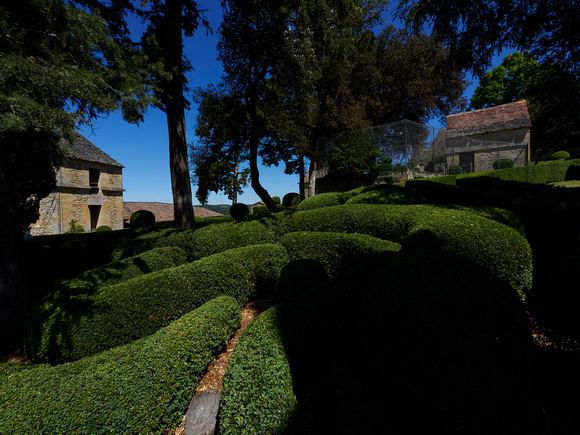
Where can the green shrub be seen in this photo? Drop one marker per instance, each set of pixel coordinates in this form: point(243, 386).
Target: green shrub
point(276, 200)
point(554, 299)
point(452, 341)
point(448, 180)
point(291, 199)
point(561, 155)
point(321, 200)
point(70, 326)
point(299, 276)
point(388, 195)
point(492, 245)
point(503, 164)
point(202, 242)
point(239, 211)
point(142, 219)
point(536, 174)
point(335, 251)
point(387, 179)
point(103, 228)
point(143, 387)
point(455, 170)
point(74, 227)
point(257, 395)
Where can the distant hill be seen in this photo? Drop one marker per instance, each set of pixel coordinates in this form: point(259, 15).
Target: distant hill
point(222, 208)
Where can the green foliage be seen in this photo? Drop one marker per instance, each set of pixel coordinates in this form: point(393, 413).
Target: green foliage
point(536, 174)
point(239, 211)
point(353, 154)
point(69, 326)
point(561, 155)
point(291, 199)
point(142, 219)
point(388, 195)
point(74, 227)
point(322, 200)
point(455, 170)
point(500, 249)
point(503, 164)
point(143, 387)
point(257, 395)
point(276, 200)
point(299, 276)
point(103, 228)
point(453, 329)
point(335, 251)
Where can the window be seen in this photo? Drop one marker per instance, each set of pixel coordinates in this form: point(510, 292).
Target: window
point(94, 175)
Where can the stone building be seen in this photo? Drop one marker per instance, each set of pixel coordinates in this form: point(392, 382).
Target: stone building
point(478, 138)
point(89, 190)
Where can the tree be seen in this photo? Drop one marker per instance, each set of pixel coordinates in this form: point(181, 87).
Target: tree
point(549, 89)
point(59, 67)
point(163, 42)
point(475, 30)
point(353, 155)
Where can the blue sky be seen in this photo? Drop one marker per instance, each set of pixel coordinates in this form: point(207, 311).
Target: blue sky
point(144, 151)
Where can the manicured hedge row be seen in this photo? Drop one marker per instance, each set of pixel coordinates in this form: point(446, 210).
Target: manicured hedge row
point(335, 251)
point(328, 199)
point(454, 342)
point(257, 395)
point(492, 245)
point(68, 326)
point(123, 270)
point(388, 195)
point(144, 387)
point(203, 241)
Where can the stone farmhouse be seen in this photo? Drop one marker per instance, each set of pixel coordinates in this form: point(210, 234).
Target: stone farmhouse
point(89, 190)
point(476, 139)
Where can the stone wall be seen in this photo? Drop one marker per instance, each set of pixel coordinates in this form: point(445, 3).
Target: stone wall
point(75, 199)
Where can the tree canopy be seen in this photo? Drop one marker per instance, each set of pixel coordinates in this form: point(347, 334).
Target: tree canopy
point(60, 66)
point(476, 30)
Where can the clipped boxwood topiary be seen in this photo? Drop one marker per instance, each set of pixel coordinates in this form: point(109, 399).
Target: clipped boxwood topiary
point(239, 211)
point(144, 387)
point(71, 326)
point(276, 200)
point(335, 251)
point(257, 395)
point(388, 195)
point(322, 200)
point(141, 219)
point(103, 228)
point(503, 164)
point(453, 341)
point(561, 155)
point(299, 276)
point(291, 199)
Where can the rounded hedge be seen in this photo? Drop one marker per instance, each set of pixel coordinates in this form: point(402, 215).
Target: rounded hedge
point(276, 200)
point(73, 326)
point(299, 276)
point(561, 155)
point(239, 211)
point(503, 164)
point(141, 219)
point(335, 251)
point(257, 395)
point(388, 195)
point(494, 246)
point(103, 228)
point(451, 339)
point(291, 199)
point(143, 387)
point(321, 200)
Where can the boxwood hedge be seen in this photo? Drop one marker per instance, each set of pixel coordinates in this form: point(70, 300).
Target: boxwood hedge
point(143, 387)
point(492, 245)
point(335, 251)
point(454, 342)
point(257, 395)
point(388, 195)
point(204, 241)
point(70, 326)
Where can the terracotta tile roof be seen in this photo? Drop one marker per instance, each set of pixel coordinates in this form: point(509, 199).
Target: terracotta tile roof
point(163, 212)
point(498, 118)
point(83, 149)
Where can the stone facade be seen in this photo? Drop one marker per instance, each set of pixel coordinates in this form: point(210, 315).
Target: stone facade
point(476, 139)
point(89, 190)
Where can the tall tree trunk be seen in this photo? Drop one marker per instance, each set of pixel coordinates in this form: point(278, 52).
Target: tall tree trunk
point(255, 175)
point(175, 111)
point(13, 285)
point(301, 174)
